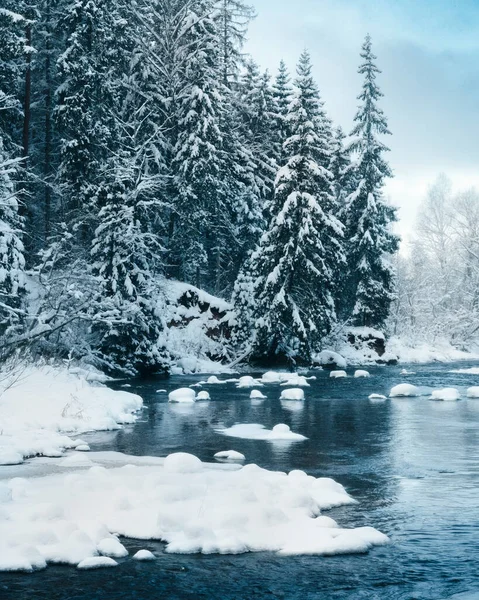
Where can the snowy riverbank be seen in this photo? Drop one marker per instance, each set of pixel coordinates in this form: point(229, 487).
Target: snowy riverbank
point(41, 406)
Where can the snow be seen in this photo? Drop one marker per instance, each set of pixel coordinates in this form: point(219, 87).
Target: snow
point(473, 392)
point(247, 381)
point(182, 462)
point(144, 555)
point(76, 460)
point(338, 374)
point(440, 351)
point(256, 394)
point(254, 431)
point(292, 394)
point(377, 397)
point(203, 395)
point(193, 507)
point(447, 394)
point(361, 373)
point(112, 547)
point(230, 455)
point(469, 371)
point(82, 448)
point(403, 389)
point(406, 372)
point(285, 378)
point(97, 562)
point(182, 395)
point(213, 380)
point(40, 404)
point(328, 357)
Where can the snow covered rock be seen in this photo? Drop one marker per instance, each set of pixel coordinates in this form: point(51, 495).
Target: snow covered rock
point(230, 455)
point(247, 381)
point(338, 374)
point(213, 380)
point(182, 395)
point(203, 395)
point(10, 457)
point(256, 394)
point(112, 547)
point(327, 358)
point(97, 562)
point(446, 394)
point(285, 378)
point(377, 397)
point(144, 555)
point(361, 373)
point(292, 394)
point(82, 448)
point(297, 381)
point(473, 392)
point(404, 390)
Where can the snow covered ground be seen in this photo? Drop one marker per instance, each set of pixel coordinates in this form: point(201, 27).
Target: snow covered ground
point(39, 406)
point(76, 517)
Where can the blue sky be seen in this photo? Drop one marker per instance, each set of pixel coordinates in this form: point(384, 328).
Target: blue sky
point(428, 51)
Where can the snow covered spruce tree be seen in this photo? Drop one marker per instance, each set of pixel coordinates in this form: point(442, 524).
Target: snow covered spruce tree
point(126, 324)
point(340, 168)
point(294, 265)
point(370, 241)
point(197, 153)
point(282, 94)
point(12, 261)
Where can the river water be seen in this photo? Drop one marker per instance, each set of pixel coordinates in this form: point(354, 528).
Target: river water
point(413, 465)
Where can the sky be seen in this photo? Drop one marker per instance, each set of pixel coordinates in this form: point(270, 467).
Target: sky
point(428, 51)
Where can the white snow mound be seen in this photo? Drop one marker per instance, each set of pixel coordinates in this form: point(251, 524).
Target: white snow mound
point(473, 392)
point(377, 397)
point(247, 381)
point(404, 390)
point(254, 431)
point(292, 394)
point(338, 374)
point(256, 394)
point(361, 373)
point(230, 455)
point(182, 395)
point(69, 518)
point(112, 547)
point(447, 394)
point(144, 555)
point(97, 562)
point(203, 395)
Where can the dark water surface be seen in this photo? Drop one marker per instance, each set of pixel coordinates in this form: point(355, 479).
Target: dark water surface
point(412, 464)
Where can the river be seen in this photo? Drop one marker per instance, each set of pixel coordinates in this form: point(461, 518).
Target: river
point(413, 465)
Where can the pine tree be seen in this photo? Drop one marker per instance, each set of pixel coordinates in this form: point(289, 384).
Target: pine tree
point(370, 241)
point(293, 264)
point(283, 95)
point(124, 255)
point(197, 153)
point(12, 261)
point(340, 167)
point(233, 17)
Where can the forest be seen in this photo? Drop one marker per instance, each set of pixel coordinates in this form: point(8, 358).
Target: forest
point(140, 145)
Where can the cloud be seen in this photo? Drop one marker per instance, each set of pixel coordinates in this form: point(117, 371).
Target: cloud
point(428, 52)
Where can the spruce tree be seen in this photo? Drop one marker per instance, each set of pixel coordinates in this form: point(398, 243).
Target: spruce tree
point(293, 266)
point(12, 261)
point(283, 95)
point(370, 241)
point(197, 153)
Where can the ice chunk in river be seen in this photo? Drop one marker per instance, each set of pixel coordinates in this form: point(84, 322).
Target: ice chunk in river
point(337, 374)
point(254, 431)
point(377, 397)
